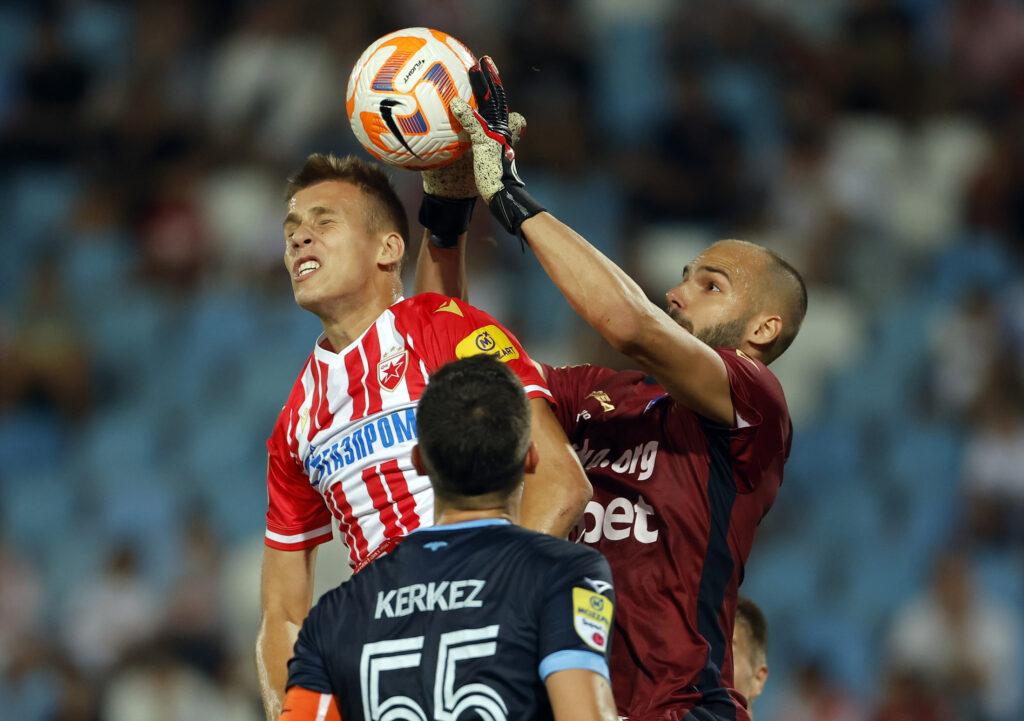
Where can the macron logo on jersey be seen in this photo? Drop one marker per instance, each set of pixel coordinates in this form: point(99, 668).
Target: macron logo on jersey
point(397, 427)
point(443, 596)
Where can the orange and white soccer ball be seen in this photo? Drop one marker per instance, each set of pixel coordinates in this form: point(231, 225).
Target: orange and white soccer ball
point(398, 95)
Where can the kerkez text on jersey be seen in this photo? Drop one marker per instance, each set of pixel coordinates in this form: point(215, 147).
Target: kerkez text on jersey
point(433, 596)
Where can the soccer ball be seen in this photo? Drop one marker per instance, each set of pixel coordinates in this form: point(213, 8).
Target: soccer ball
point(398, 95)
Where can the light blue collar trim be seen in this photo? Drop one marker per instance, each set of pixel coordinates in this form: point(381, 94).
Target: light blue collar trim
point(466, 524)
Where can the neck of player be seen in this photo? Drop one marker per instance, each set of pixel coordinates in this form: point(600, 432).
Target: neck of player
point(447, 514)
point(344, 325)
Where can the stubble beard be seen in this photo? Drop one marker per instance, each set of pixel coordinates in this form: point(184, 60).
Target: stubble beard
point(722, 335)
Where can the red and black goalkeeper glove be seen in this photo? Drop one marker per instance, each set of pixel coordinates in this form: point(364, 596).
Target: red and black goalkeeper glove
point(494, 160)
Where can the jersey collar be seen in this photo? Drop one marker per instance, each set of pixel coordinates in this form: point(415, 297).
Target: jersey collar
point(466, 524)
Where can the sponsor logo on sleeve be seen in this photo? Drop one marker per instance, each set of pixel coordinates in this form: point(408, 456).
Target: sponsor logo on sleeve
point(592, 617)
point(490, 340)
point(450, 307)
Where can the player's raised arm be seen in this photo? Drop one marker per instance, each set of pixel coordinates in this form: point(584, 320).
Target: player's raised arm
point(597, 289)
point(557, 492)
point(286, 595)
point(449, 193)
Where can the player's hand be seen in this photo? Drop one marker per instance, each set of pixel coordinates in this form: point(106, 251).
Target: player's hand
point(449, 194)
point(490, 129)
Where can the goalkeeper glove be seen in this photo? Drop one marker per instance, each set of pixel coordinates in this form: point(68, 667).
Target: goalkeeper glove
point(494, 167)
point(449, 194)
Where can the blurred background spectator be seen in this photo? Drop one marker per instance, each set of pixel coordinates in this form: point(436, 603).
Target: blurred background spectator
point(146, 326)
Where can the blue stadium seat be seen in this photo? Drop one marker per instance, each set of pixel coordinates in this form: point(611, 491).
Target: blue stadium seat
point(975, 261)
point(30, 440)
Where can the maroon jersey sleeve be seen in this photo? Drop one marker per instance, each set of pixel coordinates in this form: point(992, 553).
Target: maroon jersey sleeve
point(761, 439)
point(459, 330)
point(570, 385)
point(297, 516)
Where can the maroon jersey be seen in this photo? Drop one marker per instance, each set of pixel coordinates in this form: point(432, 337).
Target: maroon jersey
point(676, 502)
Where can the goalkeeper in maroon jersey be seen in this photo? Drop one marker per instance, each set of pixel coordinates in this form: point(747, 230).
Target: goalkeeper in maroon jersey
point(686, 454)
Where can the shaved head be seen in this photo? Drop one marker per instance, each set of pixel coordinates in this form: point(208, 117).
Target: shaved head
point(777, 288)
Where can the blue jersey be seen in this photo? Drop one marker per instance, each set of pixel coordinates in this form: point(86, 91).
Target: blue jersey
point(460, 622)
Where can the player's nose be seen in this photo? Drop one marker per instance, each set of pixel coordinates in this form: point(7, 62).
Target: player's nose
point(675, 298)
point(301, 236)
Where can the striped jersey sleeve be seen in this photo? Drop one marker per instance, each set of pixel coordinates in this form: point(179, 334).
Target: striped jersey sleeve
point(450, 328)
point(297, 517)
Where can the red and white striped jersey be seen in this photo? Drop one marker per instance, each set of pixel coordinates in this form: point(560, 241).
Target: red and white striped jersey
point(342, 443)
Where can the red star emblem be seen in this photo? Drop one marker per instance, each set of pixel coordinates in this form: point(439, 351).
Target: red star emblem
point(391, 370)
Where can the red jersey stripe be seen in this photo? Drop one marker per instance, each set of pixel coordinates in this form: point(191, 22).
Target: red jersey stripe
point(374, 481)
point(399, 487)
point(371, 347)
point(354, 538)
point(416, 378)
point(354, 368)
point(324, 417)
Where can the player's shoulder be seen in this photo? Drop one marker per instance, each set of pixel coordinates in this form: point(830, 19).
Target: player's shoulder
point(582, 373)
point(548, 551)
point(752, 371)
point(297, 394)
point(427, 304)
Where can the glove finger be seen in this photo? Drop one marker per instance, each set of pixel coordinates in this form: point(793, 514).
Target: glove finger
point(477, 81)
point(516, 125)
point(467, 118)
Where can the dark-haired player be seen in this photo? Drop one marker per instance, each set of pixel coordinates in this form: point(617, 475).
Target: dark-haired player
point(341, 446)
point(685, 454)
point(473, 617)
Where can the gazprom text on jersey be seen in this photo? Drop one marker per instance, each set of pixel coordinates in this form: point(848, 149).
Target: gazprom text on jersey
point(396, 427)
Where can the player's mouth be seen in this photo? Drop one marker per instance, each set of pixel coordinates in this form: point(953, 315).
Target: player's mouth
point(304, 267)
point(678, 317)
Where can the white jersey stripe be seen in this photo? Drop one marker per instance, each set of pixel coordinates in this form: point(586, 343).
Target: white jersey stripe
point(296, 538)
point(538, 389)
point(323, 707)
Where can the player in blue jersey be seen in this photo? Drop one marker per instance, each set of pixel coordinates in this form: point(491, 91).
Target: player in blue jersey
point(473, 618)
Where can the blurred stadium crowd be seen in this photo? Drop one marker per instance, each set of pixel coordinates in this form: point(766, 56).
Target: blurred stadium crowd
point(148, 336)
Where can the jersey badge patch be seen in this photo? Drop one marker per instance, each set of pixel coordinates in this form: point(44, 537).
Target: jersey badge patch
point(435, 545)
point(450, 307)
point(592, 617)
point(602, 398)
point(391, 370)
point(490, 340)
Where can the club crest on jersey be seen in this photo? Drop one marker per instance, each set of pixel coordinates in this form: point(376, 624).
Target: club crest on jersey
point(391, 370)
point(602, 398)
point(592, 617)
point(490, 340)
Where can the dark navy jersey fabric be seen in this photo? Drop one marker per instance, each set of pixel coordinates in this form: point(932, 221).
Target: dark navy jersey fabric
point(459, 622)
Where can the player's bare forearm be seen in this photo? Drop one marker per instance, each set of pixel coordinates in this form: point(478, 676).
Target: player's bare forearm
point(617, 308)
point(286, 595)
point(580, 695)
point(555, 495)
point(441, 270)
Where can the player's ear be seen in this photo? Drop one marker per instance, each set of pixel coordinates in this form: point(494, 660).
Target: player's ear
point(532, 459)
point(760, 676)
point(392, 248)
point(763, 329)
point(417, 460)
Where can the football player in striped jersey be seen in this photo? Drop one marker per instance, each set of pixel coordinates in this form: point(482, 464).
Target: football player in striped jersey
point(340, 451)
